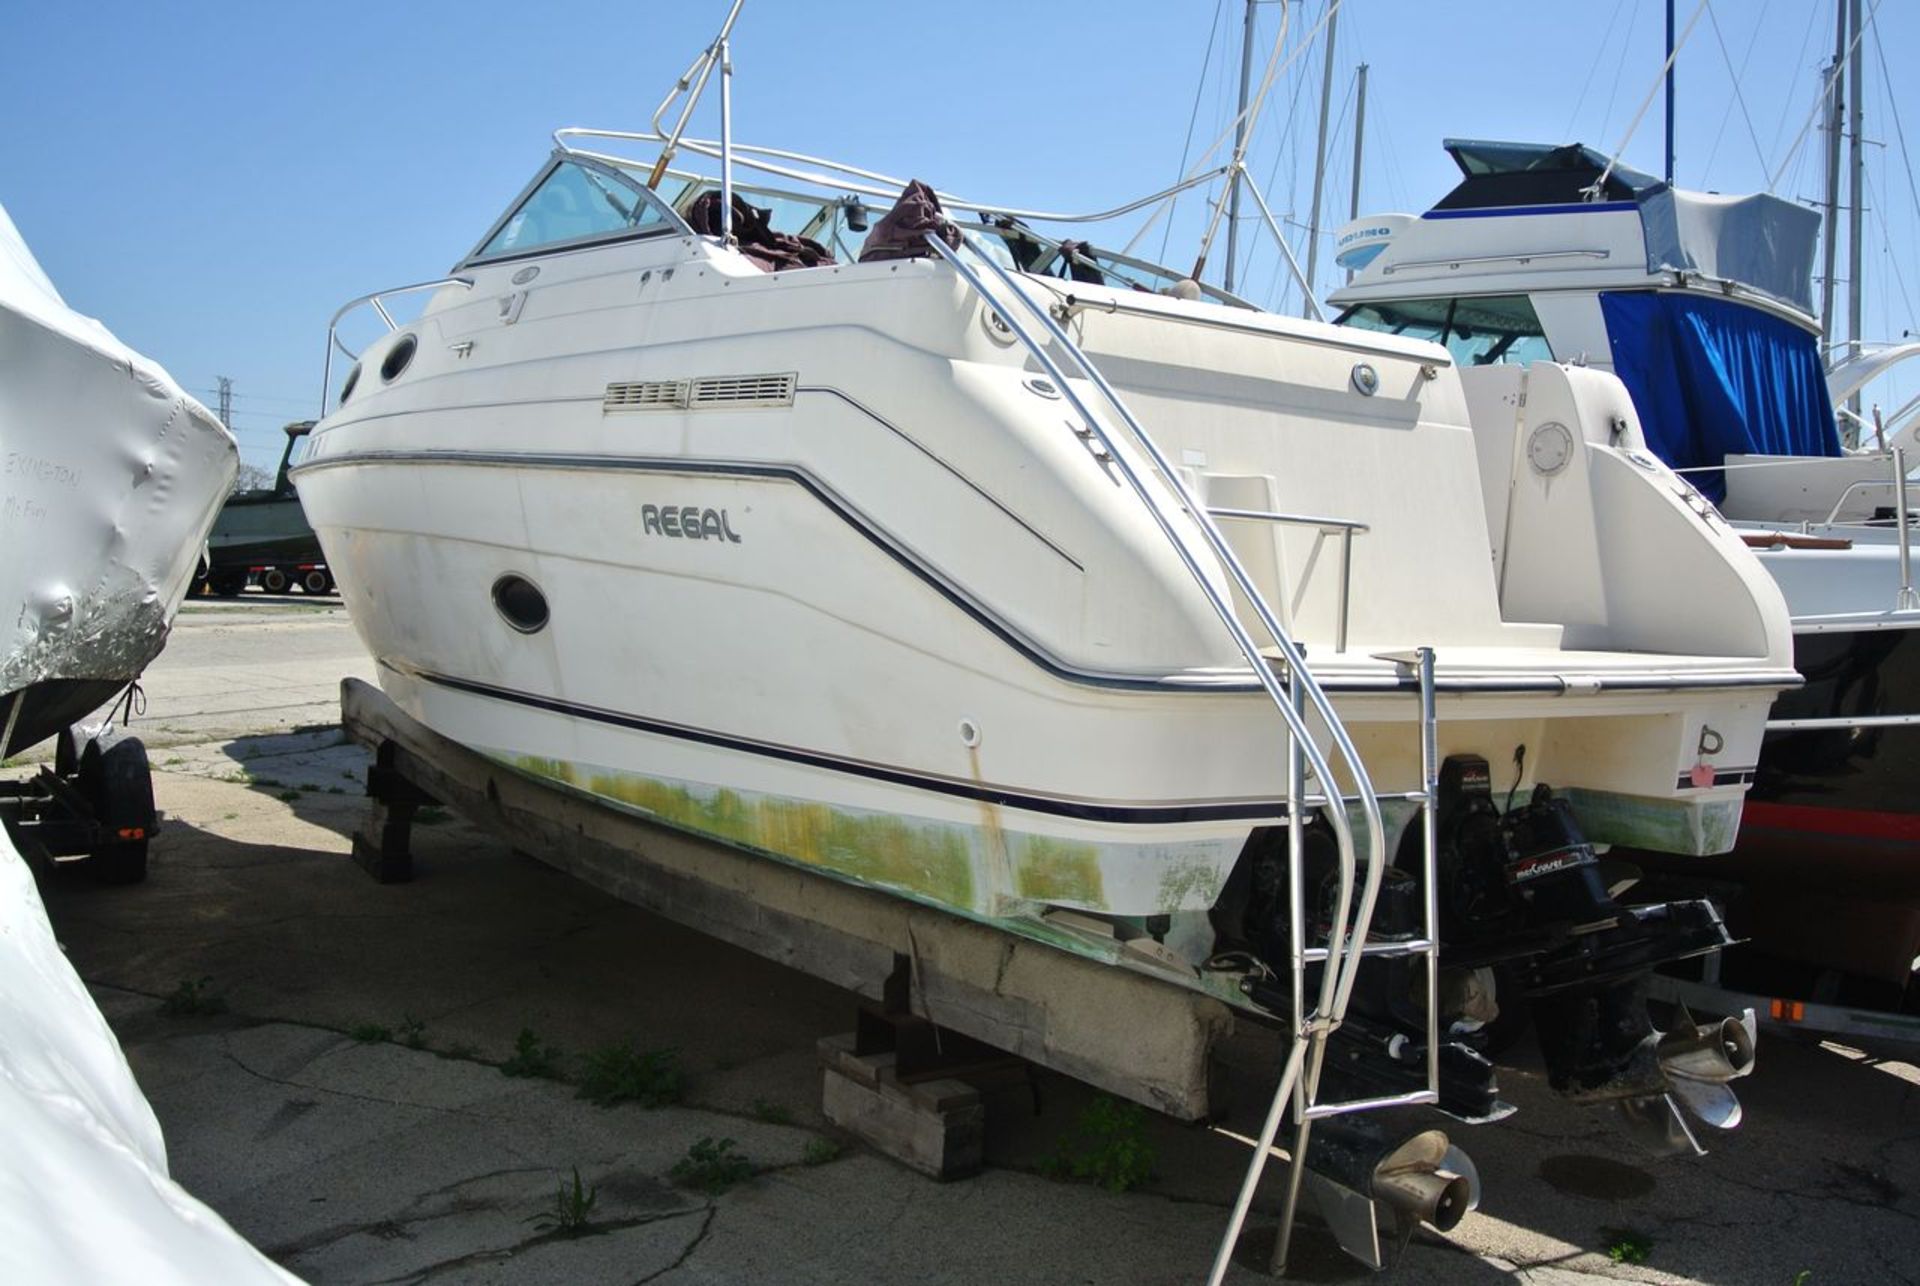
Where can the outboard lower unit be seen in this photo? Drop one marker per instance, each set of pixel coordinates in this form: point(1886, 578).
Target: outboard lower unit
point(1530, 927)
point(1524, 897)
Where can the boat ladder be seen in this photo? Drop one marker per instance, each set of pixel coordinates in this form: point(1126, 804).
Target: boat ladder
point(1294, 692)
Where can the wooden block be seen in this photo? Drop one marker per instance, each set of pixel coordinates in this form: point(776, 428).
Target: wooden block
point(942, 1143)
point(837, 1052)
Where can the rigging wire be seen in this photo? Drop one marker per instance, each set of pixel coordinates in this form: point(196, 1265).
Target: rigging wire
point(1599, 53)
point(1737, 77)
point(1666, 70)
point(1899, 130)
point(1186, 147)
point(1799, 60)
point(1826, 88)
point(1613, 95)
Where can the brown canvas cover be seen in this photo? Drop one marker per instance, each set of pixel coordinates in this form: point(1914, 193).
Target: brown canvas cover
point(757, 238)
point(902, 233)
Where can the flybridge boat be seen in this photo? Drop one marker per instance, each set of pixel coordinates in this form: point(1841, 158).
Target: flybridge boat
point(1702, 304)
point(110, 477)
point(1051, 588)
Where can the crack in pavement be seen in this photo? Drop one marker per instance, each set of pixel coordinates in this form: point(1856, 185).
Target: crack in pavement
point(433, 1270)
point(227, 1052)
point(706, 1226)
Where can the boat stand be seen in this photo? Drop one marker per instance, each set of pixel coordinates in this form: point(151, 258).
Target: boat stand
point(1013, 998)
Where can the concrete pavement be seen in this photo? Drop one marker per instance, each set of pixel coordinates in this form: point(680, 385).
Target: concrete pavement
point(305, 1116)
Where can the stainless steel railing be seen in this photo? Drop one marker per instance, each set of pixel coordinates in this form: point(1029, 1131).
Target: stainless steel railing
point(377, 302)
point(1346, 529)
point(1346, 940)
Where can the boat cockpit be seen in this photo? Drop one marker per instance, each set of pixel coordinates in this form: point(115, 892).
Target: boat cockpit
point(581, 200)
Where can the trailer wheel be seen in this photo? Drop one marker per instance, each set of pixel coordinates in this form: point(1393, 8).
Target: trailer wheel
point(316, 581)
point(119, 784)
point(274, 580)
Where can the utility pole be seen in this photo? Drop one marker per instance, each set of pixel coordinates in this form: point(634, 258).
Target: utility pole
point(1857, 190)
point(1359, 139)
point(226, 402)
point(1830, 242)
point(1320, 164)
point(1239, 148)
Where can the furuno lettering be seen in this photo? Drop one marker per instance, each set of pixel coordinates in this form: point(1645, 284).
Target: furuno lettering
point(688, 522)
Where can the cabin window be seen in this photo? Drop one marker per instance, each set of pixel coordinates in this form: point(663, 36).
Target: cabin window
point(576, 204)
point(1478, 330)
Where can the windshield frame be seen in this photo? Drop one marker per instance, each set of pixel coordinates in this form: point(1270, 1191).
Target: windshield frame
point(671, 224)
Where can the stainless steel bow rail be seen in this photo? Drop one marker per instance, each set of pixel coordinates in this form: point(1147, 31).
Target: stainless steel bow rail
point(1346, 946)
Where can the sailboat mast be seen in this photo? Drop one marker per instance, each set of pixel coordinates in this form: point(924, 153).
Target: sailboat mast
point(1319, 166)
point(1856, 187)
point(1359, 140)
point(1671, 69)
point(1830, 242)
point(1239, 147)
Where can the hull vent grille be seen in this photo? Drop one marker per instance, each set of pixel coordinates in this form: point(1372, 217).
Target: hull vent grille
point(716, 391)
point(648, 395)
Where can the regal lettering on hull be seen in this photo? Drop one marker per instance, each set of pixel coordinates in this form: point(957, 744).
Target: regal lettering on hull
point(687, 521)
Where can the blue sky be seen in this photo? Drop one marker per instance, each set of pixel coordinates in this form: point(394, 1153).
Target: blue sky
point(214, 179)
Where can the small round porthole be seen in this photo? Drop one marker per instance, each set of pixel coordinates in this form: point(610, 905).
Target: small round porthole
point(1366, 380)
point(346, 389)
point(520, 603)
point(398, 357)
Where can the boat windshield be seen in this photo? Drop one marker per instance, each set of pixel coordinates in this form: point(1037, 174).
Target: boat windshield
point(1478, 330)
point(576, 203)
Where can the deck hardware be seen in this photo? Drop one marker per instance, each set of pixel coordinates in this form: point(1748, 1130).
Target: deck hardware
point(1041, 387)
point(969, 733)
point(462, 349)
point(526, 274)
point(996, 326)
point(1366, 380)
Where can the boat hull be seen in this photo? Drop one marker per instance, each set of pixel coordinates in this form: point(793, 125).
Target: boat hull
point(110, 477)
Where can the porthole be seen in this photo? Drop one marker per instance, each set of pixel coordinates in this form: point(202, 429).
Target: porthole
point(346, 389)
point(520, 603)
point(398, 357)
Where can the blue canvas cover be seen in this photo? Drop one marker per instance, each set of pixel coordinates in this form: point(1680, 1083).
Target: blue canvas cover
point(1712, 378)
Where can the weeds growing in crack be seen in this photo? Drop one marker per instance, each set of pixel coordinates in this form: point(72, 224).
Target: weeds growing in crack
point(618, 1073)
point(193, 998)
point(820, 1152)
point(532, 1058)
point(430, 815)
point(1628, 1245)
point(370, 1033)
point(412, 1032)
point(712, 1166)
point(772, 1113)
point(1108, 1145)
point(572, 1211)
point(460, 1052)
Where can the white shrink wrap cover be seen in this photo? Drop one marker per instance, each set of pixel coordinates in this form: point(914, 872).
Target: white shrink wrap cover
point(84, 1191)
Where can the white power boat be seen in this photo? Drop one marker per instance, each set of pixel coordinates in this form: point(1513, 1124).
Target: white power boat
point(110, 477)
point(1049, 588)
point(1703, 305)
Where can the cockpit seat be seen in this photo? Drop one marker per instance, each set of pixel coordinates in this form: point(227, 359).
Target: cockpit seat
point(758, 240)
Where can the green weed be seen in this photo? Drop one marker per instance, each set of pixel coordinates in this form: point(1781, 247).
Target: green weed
point(572, 1211)
point(370, 1033)
point(1628, 1246)
point(772, 1113)
point(1108, 1145)
point(820, 1151)
point(712, 1166)
point(620, 1074)
point(532, 1057)
point(431, 815)
point(413, 1032)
